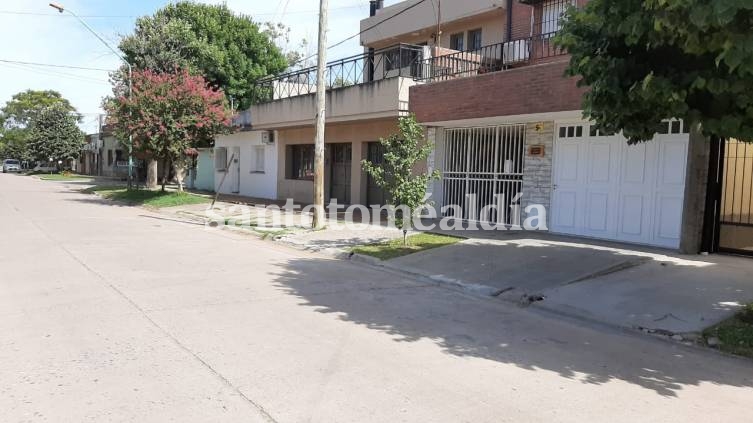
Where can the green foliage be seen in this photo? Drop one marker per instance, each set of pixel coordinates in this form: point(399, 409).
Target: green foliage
point(229, 50)
point(24, 106)
point(16, 116)
point(649, 60)
point(397, 248)
point(54, 133)
point(396, 174)
point(156, 199)
point(167, 114)
point(13, 144)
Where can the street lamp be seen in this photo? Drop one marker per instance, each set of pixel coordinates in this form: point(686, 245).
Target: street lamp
point(61, 9)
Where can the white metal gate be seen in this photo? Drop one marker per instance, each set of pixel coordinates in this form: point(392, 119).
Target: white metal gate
point(483, 173)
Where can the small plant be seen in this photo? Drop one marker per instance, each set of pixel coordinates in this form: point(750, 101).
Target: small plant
point(396, 174)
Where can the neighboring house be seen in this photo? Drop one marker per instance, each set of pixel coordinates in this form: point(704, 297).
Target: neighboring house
point(104, 155)
point(506, 121)
point(366, 94)
point(204, 172)
point(245, 163)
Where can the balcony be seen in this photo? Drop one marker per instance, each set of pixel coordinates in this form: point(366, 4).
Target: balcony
point(449, 64)
point(520, 77)
point(366, 86)
point(400, 20)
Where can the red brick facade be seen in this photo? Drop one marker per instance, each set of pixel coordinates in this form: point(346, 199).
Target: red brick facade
point(538, 88)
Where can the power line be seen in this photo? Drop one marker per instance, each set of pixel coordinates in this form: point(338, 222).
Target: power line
point(50, 65)
point(341, 42)
point(378, 23)
point(57, 74)
point(294, 12)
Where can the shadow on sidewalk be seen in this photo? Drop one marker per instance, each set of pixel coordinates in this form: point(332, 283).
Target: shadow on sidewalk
point(469, 327)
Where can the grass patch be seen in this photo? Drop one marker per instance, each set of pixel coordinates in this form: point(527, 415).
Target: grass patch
point(735, 335)
point(395, 248)
point(156, 199)
point(61, 177)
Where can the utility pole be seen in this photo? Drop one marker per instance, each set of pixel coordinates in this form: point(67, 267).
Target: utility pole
point(321, 106)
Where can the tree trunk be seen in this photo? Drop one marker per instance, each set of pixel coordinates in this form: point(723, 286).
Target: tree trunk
point(165, 173)
point(151, 173)
point(179, 175)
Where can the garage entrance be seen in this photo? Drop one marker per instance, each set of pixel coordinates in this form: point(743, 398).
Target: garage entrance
point(605, 188)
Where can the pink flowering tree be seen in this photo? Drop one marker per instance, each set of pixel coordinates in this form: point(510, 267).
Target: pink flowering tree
point(168, 115)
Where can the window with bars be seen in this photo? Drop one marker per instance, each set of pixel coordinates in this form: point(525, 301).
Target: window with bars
point(552, 14)
point(301, 159)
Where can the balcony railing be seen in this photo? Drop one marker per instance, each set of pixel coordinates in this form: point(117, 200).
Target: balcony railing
point(491, 58)
point(403, 60)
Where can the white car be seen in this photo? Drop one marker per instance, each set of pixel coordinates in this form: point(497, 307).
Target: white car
point(11, 165)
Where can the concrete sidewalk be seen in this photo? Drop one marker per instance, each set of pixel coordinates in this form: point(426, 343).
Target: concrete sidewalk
point(622, 285)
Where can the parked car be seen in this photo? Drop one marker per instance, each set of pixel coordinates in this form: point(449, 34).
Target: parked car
point(11, 165)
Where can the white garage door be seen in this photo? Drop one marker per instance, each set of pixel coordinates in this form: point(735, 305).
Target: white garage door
point(604, 188)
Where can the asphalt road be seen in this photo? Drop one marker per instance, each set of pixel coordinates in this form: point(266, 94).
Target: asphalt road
point(112, 313)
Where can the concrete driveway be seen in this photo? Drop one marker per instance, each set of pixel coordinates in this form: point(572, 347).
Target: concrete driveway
point(624, 285)
point(115, 314)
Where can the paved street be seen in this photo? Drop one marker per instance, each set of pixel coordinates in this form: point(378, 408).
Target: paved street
point(113, 313)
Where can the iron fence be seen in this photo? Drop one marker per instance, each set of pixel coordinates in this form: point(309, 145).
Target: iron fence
point(403, 60)
point(491, 58)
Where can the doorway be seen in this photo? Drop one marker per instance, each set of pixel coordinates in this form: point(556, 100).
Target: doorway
point(736, 216)
point(341, 159)
point(374, 193)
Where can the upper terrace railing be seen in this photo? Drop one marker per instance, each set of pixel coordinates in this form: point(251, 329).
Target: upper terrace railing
point(403, 60)
point(491, 58)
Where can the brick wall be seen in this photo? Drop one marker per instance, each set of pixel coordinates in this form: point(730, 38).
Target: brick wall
point(521, 20)
point(537, 170)
point(531, 89)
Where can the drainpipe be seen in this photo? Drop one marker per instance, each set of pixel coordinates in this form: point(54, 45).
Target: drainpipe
point(509, 20)
point(374, 5)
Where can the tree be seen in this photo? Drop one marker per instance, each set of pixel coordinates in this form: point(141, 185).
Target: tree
point(13, 144)
point(648, 60)
point(229, 50)
point(16, 115)
point(298, 57)
point(54, 134)
point(24, 106)
point(404, 187)
point(168, 114)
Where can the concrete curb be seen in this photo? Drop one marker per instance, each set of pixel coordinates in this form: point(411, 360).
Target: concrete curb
point(476, 289)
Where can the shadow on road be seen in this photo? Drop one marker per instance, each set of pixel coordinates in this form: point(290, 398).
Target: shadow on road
point(471, 327)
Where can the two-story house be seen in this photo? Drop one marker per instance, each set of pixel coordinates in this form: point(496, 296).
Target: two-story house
point(366, 94)
point(506, 121)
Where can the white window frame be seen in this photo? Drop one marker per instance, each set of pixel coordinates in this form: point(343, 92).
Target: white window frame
point(258, 164)
point(551, 15)
point(220, 159)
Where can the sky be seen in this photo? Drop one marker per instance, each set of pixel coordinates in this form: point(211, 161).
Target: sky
point(34, 32)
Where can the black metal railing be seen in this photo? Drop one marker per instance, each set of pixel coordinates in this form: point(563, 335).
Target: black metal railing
point(491, 58)
point(403, 60)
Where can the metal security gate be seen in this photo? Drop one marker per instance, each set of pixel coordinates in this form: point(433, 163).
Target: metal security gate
point(482, 178)
point(341, 159)
point(736, 207)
